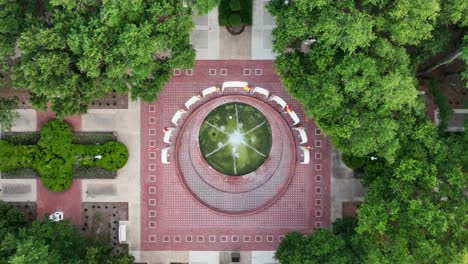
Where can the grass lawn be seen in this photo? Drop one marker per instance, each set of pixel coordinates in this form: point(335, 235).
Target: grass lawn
point(225, 12)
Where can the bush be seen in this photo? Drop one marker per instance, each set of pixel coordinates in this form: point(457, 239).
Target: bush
point(353, 162)
point(235, 20)
point(114, 155)
point(228, 7)
point(445, 112)
point(54, 156)
point(93, 138)
point(235, 5)
point(21, 138)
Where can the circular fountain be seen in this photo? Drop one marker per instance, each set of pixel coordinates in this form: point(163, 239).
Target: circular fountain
point(235, 154)
point(235, 139)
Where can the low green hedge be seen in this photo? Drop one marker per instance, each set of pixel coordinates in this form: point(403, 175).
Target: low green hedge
point(231, 11)
point(54, 156)
point(86, 138)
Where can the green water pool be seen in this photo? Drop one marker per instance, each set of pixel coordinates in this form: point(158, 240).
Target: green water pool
point(235, 139)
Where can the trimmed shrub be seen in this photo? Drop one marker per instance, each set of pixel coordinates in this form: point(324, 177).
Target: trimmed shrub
point(235, 20)
point(235, 5)
point(226, 10)
point(21, 138)
point(54, 156)
point(114, 155)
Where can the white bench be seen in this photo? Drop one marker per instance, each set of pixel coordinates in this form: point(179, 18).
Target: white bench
point(210, 90)
point(302, 133)
point(122, 233)
point(193, 100)
point(234, 84)
point(279, 101)
point(167, 135)
point(294, 117)
point(165, 155)
point(177, 116)
point(305, 155)
point(261, 91)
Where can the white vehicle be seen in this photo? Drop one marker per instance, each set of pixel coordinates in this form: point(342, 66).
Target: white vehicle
point(57, 216)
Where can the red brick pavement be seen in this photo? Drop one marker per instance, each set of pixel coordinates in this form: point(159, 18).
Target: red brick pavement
point(69, 202)
point(172, 219)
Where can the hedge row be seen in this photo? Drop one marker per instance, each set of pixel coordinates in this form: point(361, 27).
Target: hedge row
point(31, 138)
point(78, 171)
point(54, 156)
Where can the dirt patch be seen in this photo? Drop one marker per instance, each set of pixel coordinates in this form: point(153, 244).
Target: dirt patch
point(349, 208)
point(110, 101)
point(101, 221)
point(29, 209)
point(21, 95)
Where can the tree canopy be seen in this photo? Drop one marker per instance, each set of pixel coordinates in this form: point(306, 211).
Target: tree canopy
point(7, 113)
point(48, 242)
point(358, 81)
point(72, 52)
point(358, 76)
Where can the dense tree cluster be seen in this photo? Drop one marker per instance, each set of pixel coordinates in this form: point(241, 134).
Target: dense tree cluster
point(7, 113)
point(358, 81)
point(74, 51)
point(358, 76)
point(48, 242)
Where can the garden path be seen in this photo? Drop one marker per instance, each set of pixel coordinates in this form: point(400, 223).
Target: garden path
point(69, 201)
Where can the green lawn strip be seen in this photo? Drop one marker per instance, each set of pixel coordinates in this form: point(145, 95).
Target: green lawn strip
point(228, 9)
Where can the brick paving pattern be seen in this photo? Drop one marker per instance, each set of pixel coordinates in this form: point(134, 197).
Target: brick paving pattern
point(174, 219)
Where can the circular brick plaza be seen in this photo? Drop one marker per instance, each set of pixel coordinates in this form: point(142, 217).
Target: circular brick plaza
point(235, 195)
point(186, 205)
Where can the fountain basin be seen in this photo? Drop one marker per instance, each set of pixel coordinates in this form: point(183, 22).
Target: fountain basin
point(235, 139)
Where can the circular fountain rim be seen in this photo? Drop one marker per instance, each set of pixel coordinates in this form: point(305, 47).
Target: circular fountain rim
point(291, 168)
point(236, 139)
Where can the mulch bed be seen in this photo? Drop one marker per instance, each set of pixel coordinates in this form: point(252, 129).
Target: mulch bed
point(101, 221)
point(111, 101)
point(29, 209)
point(349, 209)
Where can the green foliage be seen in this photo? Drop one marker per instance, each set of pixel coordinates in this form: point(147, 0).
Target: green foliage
point(235, 5)
point(10, 222)
point(8, 115)
point(358, 83)
point(54, 156)
point(114, 155)
point(235, 20)
point(353, 162)
point(229, 10)
point(322, 246)
point(418, 199)
point(82, 50)
point(205, 6)
point(443, 106)
point(49, 242)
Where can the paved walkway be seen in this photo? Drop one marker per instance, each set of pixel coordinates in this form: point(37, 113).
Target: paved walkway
point(69, 201)
point(213, 42)
point(172, 219)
